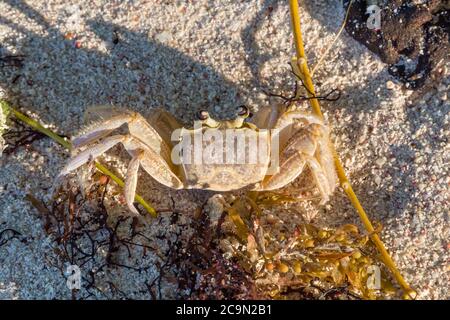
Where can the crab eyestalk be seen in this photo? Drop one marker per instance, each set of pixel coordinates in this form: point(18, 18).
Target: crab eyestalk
point(242, 114)
point(204, 117)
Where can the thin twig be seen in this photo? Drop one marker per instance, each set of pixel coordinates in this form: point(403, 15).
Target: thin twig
point(319, 62)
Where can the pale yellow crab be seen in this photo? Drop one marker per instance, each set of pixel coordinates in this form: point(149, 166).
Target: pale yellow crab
point(301, 139)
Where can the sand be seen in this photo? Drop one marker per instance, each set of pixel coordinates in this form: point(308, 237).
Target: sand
point(216, 55)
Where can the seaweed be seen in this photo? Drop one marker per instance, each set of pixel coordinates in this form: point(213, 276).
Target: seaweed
point(309, 262)
point(97, 243)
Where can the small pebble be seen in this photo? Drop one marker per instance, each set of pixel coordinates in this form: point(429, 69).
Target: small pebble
point(163, 37)
point(380, 161)
point(390, 85)
point(378, 180)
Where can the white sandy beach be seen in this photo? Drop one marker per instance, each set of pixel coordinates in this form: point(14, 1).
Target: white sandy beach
point(216, 55)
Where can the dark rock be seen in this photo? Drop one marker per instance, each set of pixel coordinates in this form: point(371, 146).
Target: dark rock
point(413, 40)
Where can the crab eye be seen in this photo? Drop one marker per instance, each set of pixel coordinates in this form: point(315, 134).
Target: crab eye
point(243, 111)
point(202, 115)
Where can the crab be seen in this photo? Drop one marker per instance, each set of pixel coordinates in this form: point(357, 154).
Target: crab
point(302, 140)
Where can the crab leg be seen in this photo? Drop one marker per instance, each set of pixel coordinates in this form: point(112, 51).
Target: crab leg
point(131, 181)
point(292, 160)
point(91, 153)
point(306, 147)
point(314, 146)
point(137, 125)
point(100, 130)
point(267, 116)
point(325, 158)
point(295, 163)
point(151, 162)
point(288, 118)
point(320, 178)
point(141, 155)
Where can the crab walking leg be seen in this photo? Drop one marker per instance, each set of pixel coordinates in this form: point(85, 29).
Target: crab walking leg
point(137, 125)
point(267, 116)
point(289, 117)
point(304, 148)
point(320, 178)
point(321, 161)
point(292, 160)
point(141, 155)
point(302, 141)
point(295, 163)
point(100, 130)
point(287, 126)
point(142, 130)
point(152, 163)
point(324, 155)
point(91, 153)
point(131, 181)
